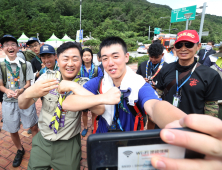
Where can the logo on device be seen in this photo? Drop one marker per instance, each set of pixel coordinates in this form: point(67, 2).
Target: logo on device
point(127, 153)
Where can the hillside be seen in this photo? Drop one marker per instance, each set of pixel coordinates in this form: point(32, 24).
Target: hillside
point(126, 18)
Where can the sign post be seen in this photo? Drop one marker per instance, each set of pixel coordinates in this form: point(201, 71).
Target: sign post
point(177, 15)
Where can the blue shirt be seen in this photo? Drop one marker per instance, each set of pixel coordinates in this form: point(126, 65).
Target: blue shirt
point(100, 72)
point(146, 93)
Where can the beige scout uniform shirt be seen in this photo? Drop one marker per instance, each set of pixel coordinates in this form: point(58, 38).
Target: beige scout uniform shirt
point(72, 125)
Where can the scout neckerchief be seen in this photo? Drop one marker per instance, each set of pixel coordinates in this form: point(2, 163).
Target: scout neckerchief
point(159, 68)
point(218, 64)
point(177, 97)
point(90, 73)
point(57, 115)
point(14, 75)
point(37, 58)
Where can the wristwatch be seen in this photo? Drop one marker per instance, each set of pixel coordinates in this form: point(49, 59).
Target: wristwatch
point(24, 88)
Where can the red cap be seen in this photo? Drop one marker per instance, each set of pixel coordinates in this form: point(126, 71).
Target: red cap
point(187, 35)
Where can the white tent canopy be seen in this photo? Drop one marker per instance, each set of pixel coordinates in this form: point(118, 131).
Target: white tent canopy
point(54, 41)
point(66, 38)
point(23, 38)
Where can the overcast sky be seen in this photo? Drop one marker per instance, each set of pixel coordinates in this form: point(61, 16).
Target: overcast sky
point(214, 6)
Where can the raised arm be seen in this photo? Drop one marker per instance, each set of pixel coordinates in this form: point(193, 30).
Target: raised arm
point(162, 112)
point(39, 89)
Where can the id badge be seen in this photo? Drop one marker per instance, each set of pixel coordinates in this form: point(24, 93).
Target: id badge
point(176, 100)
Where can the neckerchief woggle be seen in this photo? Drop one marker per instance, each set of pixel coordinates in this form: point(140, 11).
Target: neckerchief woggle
point(14, 75)
point(185, 80)
point(57, 114)
point(90, 73)
point(159, 68)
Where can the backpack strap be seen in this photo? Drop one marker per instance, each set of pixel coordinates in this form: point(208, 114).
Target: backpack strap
point(3, 69)
point(95, 74)
point(24, 53)
point(24, 68)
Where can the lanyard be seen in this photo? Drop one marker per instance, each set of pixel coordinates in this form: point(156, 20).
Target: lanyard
point(185, 80)
point(147, 65)
point(204, 54)
point(116, 115)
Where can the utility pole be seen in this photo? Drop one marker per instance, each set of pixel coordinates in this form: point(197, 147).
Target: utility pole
point(149, 34)
point(202, 21)
point(187, 16)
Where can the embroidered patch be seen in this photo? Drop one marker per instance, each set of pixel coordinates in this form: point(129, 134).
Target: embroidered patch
point(193, 82)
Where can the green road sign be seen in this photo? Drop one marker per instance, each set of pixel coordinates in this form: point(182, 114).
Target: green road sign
point(177, 15)
point(156, 30)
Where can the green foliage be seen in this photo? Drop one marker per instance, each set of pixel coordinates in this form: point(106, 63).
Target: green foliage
point(142, 59)
point(147, 42)
point(128, 19)
point(93, 42)
point(138, 59)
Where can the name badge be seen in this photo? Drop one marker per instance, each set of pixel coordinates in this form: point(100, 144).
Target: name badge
point(176, 100)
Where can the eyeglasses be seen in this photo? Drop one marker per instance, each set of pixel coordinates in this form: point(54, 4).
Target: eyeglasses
point(12, 45)
point(187, 45)
point(32, 46)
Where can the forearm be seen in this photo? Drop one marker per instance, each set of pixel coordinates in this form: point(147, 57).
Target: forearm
point(3, 88)
point(25, 100)
point(163, 112)
point(78, 89)
point(79, 102)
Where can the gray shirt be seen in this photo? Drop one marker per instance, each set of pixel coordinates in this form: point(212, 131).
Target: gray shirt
point(10, 84)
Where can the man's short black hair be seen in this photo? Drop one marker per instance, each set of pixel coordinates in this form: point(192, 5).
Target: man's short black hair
point(99, 54)
point(155, 50)
point(157, 41)
point(68, 45)
point(211, 42)
point(111, 41)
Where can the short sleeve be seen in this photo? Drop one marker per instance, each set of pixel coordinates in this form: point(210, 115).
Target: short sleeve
point(29, 72)
point(146, 93)
point(213, 91)
point(100, 72)
point(92, 85)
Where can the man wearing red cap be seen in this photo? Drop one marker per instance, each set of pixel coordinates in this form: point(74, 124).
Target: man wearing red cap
point(188, 85)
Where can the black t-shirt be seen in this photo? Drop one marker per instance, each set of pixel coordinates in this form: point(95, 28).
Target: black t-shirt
point(36, 65)
point(204, 85)
point(142, 69)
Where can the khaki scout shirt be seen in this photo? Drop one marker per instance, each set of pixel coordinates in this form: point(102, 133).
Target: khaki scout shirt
point(72, 125)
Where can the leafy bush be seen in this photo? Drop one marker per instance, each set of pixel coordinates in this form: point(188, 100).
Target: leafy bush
point(142, 59)
point(147, 42)
point(93, 42)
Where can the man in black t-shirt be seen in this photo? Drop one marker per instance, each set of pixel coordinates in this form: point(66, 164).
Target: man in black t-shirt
point(36, 62)
point(199, 89)
point(151, 68)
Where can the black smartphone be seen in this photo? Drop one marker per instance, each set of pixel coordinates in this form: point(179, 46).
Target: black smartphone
point(132, 150)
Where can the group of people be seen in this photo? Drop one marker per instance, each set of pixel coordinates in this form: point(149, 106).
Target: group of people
point(68, 83)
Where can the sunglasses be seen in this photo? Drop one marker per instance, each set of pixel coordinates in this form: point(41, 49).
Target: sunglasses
point(187, 45)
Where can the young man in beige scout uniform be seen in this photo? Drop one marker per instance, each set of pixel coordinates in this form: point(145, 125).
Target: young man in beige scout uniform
point(13, 82)
point(57, 145)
